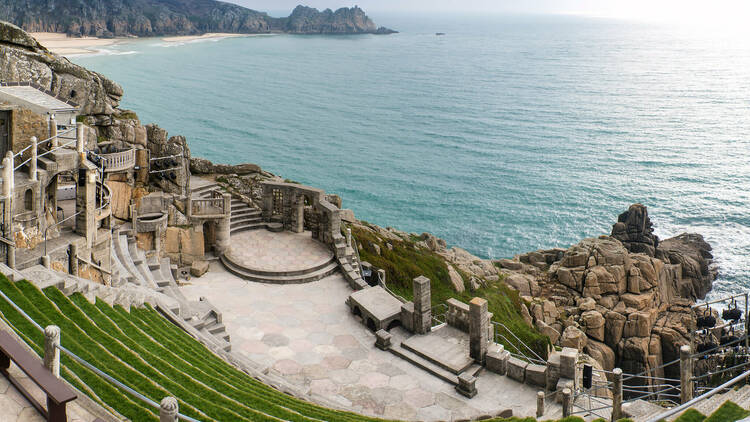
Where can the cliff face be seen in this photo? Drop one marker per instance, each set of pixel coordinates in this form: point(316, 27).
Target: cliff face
point(143, 18)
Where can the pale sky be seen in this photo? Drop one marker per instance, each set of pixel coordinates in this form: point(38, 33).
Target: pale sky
point(707, 11)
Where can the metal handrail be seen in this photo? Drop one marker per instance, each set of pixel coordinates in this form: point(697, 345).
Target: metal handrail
point(496, 324)
point(699, 398)
point(60, 134)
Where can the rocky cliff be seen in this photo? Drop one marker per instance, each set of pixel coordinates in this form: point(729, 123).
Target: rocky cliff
point(143, 18)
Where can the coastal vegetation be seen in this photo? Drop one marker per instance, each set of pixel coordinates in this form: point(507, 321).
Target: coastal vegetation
point(403, 260)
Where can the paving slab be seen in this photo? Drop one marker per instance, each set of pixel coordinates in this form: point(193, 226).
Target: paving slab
point(342, 366)
point(446, 346)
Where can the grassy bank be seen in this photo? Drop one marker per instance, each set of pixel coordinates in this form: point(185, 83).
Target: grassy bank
point(404, 260)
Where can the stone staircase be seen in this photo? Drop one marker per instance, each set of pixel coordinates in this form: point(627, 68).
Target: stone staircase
point(437, 366)
point(349, 264)
point(154, 274)
point(244, 217)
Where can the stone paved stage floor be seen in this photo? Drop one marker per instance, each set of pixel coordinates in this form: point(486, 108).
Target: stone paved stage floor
point(306, 334)
point(279, 252)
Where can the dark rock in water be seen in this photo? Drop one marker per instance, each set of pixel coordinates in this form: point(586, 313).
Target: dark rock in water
point(148, 18)
point(635, 231)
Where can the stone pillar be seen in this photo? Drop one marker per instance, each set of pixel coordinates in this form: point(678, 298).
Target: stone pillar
point(686, 373)
point(478, 341)
point(8, 187)
point(267, 203)
point(46, 261)
point(32, 161)
point(134, 218)
point(51, 352)
point(223, 235)
point(422, 305)
point(168, 410)
point(53, 132)
point(566, 402)
point(73, 259)
point(348, 237)
point(86, 205)
point(157, 239)
point(298, 215)
point(141, 162)
point(80, 142)
point(539, 404)
point(616, 394)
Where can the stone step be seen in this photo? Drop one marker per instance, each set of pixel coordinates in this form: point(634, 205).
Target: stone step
point(272, 227)
point(217, 328)
point(264, 273)
point(743, 397)
point(424, 364)
point(443, 365)
point(242, 212)
point(163, 283)
point(241, 272)
point(205, 188)
point(240, 221)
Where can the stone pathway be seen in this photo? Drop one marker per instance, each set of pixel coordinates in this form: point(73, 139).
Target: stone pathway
point(15, 408)
point(306, 334)
point(278, 252)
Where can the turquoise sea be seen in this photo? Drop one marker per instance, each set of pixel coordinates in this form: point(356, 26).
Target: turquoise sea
point(508, 134)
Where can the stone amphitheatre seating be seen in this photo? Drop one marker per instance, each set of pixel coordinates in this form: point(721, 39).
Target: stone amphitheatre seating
point(151, 355)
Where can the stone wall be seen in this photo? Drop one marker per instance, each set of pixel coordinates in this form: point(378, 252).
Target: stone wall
point(285, 203)
point(184, 245)
point(25, 124)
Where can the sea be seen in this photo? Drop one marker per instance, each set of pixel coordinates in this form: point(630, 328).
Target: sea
point(509, 133)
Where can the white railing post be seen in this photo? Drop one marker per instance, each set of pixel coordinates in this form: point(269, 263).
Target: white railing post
point(617, 394)
point(52, 132)
point(51, 352)
point(168, 410)
point(686, 374)
point(32, 160)
point(79, 138)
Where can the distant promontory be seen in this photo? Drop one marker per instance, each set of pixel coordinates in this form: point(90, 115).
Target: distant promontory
point(149, 18)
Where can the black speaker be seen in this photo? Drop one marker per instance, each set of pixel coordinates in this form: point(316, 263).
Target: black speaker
point(588, 374)
point(81, 177)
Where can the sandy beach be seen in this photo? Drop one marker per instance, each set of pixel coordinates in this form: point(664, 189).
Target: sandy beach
point(65, 46)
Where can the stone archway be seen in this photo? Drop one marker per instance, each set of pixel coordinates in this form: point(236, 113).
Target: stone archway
point(209, 236)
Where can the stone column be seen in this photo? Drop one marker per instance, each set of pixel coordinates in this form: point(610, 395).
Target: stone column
point(267, 203)
point(539, 404)
point(86, 205)
point(8, 187)
point(298, 215)
point(32, 161)
point(422, 305)
point(616, 394)
point(686, 373)
point(46, 261)
point(566, 402)
point(51, 352)
point(73, 259)
point(80, 142)
point(53, 132)
point(478, 329)
point(168, 410)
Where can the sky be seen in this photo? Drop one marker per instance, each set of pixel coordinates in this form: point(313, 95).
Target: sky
point(718, 12)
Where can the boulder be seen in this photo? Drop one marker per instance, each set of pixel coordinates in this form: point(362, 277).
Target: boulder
point(593, 322)
point(456, 280)
point(573, 338)
point(524, 283)
point(613, 327)
point(635, 230)
point(601, 353)
point(548, 331)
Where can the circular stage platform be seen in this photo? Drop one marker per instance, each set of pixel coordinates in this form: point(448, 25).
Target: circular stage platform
point(278, 257)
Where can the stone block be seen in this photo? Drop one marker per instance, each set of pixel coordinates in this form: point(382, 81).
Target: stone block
point(497, 361)
point(467, 385)
point(198, 267)
point(504, 413)
point(516, 369)
point(568, 359)
point(407, 316)
point(553, 370)
point(536, 375)
point(561, 384)
point(383, 340)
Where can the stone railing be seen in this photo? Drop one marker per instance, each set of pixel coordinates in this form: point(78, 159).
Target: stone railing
point(118, 161)
point(214, 207)
point(458, 316)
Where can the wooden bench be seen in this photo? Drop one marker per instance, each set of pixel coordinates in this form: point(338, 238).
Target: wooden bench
point(58, 393)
